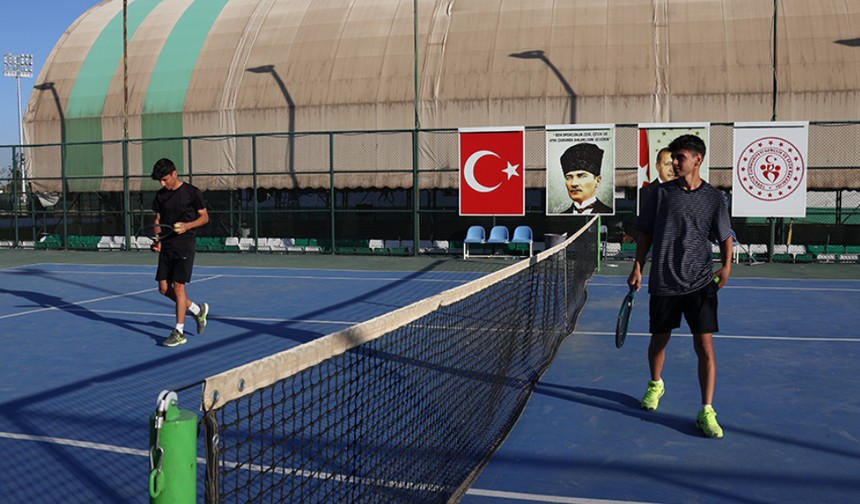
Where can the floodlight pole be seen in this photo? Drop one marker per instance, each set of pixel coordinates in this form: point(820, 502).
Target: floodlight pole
point(18, 67)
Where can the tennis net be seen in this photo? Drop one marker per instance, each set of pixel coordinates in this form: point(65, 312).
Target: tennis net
point(407, 407)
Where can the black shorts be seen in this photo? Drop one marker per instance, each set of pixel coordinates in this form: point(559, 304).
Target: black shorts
point(699, 309)
point(175, 266)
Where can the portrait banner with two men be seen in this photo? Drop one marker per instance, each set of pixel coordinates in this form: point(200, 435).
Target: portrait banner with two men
point(655, 160)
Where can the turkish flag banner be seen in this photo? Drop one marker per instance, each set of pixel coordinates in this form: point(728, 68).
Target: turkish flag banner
point(492, 171)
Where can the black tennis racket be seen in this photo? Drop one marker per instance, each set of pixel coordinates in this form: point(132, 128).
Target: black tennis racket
point(156, 232)
point(624, 318)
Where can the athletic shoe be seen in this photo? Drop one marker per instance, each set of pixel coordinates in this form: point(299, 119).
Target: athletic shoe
point(706, 421)
point(201, 318)
point(175, 338)
point(652, 396)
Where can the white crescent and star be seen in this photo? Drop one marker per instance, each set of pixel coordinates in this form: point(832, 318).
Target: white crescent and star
point(469, 171)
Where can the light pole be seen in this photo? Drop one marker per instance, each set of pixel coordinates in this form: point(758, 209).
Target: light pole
point(18, 67)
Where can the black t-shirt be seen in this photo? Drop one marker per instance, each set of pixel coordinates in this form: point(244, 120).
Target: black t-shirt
point(180, 205)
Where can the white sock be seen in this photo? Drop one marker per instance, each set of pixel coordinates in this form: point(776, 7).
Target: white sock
point(194, 308)
point(706, 406)
point(180, 328)
point(657, 382)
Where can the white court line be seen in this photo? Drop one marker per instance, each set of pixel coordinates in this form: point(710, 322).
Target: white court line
point(544, 498)
point(312, 474)
point(757, 287)
point(78, 303)
point(286, 277)
point(219, 317)
point(726, 336)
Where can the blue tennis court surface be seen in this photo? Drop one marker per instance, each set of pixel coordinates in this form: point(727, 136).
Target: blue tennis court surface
point(83, 365)
point(787, 398)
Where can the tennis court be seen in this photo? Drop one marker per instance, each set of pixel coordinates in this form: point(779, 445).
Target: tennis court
point(786, 397)
point(83, 363)
point(83, 367)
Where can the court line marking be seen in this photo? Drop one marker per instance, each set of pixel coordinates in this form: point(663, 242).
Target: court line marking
point(544, 498)
point(218, 317)
point(760, 287)
point(727, 336)
point(201, 460)
point(288, 277)
point(78, 303)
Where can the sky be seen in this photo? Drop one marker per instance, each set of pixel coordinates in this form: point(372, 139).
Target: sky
point(30, 27)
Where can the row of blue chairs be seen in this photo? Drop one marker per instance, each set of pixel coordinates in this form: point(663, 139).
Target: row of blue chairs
point(498, 235)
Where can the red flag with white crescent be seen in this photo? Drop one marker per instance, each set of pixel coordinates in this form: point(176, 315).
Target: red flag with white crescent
point(492, 171)
point(644, 155)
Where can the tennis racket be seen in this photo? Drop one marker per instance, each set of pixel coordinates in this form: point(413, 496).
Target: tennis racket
point(624, 318)
point(156, 232)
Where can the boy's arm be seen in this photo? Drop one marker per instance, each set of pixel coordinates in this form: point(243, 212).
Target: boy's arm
point(726, 258)
point(643, 246)
point(156, 246)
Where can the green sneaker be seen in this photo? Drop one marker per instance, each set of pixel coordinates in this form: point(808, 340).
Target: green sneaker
point(652, 395)
point(706, 421)
point(201, 318)
point(175, 338)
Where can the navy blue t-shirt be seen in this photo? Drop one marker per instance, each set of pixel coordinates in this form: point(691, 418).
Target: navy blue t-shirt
point(684, 224)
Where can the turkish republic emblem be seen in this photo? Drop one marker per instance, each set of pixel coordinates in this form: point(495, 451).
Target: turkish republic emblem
point(492, 171)
point(769, 176)
point(770, 168)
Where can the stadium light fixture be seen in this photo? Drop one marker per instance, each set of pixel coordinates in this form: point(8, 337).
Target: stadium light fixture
point(19, 66)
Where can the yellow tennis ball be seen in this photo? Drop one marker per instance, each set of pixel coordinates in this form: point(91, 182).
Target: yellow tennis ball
point(176, 227)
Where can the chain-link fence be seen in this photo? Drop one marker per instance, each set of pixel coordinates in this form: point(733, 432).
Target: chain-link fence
point(375, 192)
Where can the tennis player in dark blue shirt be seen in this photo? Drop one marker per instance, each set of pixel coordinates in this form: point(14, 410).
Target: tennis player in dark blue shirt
point(681, 218)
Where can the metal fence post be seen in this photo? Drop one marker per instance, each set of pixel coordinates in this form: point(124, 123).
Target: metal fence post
point(190, 164)
point(65, 183)
point(256, 202)
point(416, 195)
point(15, 194)
point(126, 194)
point(331, 196)
point(772, 238)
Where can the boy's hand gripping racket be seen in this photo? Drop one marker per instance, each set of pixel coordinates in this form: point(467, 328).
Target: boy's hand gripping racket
point(156, 232)
point(624, 318)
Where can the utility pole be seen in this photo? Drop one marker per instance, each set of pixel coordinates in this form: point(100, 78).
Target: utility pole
point(19, 66)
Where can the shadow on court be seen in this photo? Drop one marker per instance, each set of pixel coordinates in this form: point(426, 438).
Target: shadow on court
point(623, 404)
point(786, 399)
point(90, 378)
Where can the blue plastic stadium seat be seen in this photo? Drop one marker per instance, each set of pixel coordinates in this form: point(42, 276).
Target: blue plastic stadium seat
point(523, 234)
point(499, 234)
point(475, 234)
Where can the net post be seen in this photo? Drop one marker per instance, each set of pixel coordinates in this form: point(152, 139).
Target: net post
point(212, 482)
point(172, 452)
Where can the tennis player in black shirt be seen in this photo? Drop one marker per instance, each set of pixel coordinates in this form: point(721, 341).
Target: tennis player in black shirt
point(180, 205)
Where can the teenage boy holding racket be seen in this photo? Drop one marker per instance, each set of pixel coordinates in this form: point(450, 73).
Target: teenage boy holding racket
point(681, 218)
point(180, 205)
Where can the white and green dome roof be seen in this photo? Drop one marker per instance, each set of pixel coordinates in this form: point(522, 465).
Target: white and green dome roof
point(220, 67)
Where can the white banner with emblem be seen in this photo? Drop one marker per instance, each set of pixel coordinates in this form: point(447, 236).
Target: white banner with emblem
point(770, 172)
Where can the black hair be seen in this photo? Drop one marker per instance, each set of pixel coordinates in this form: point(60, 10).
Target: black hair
point(163, 167)
point(691, 143)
